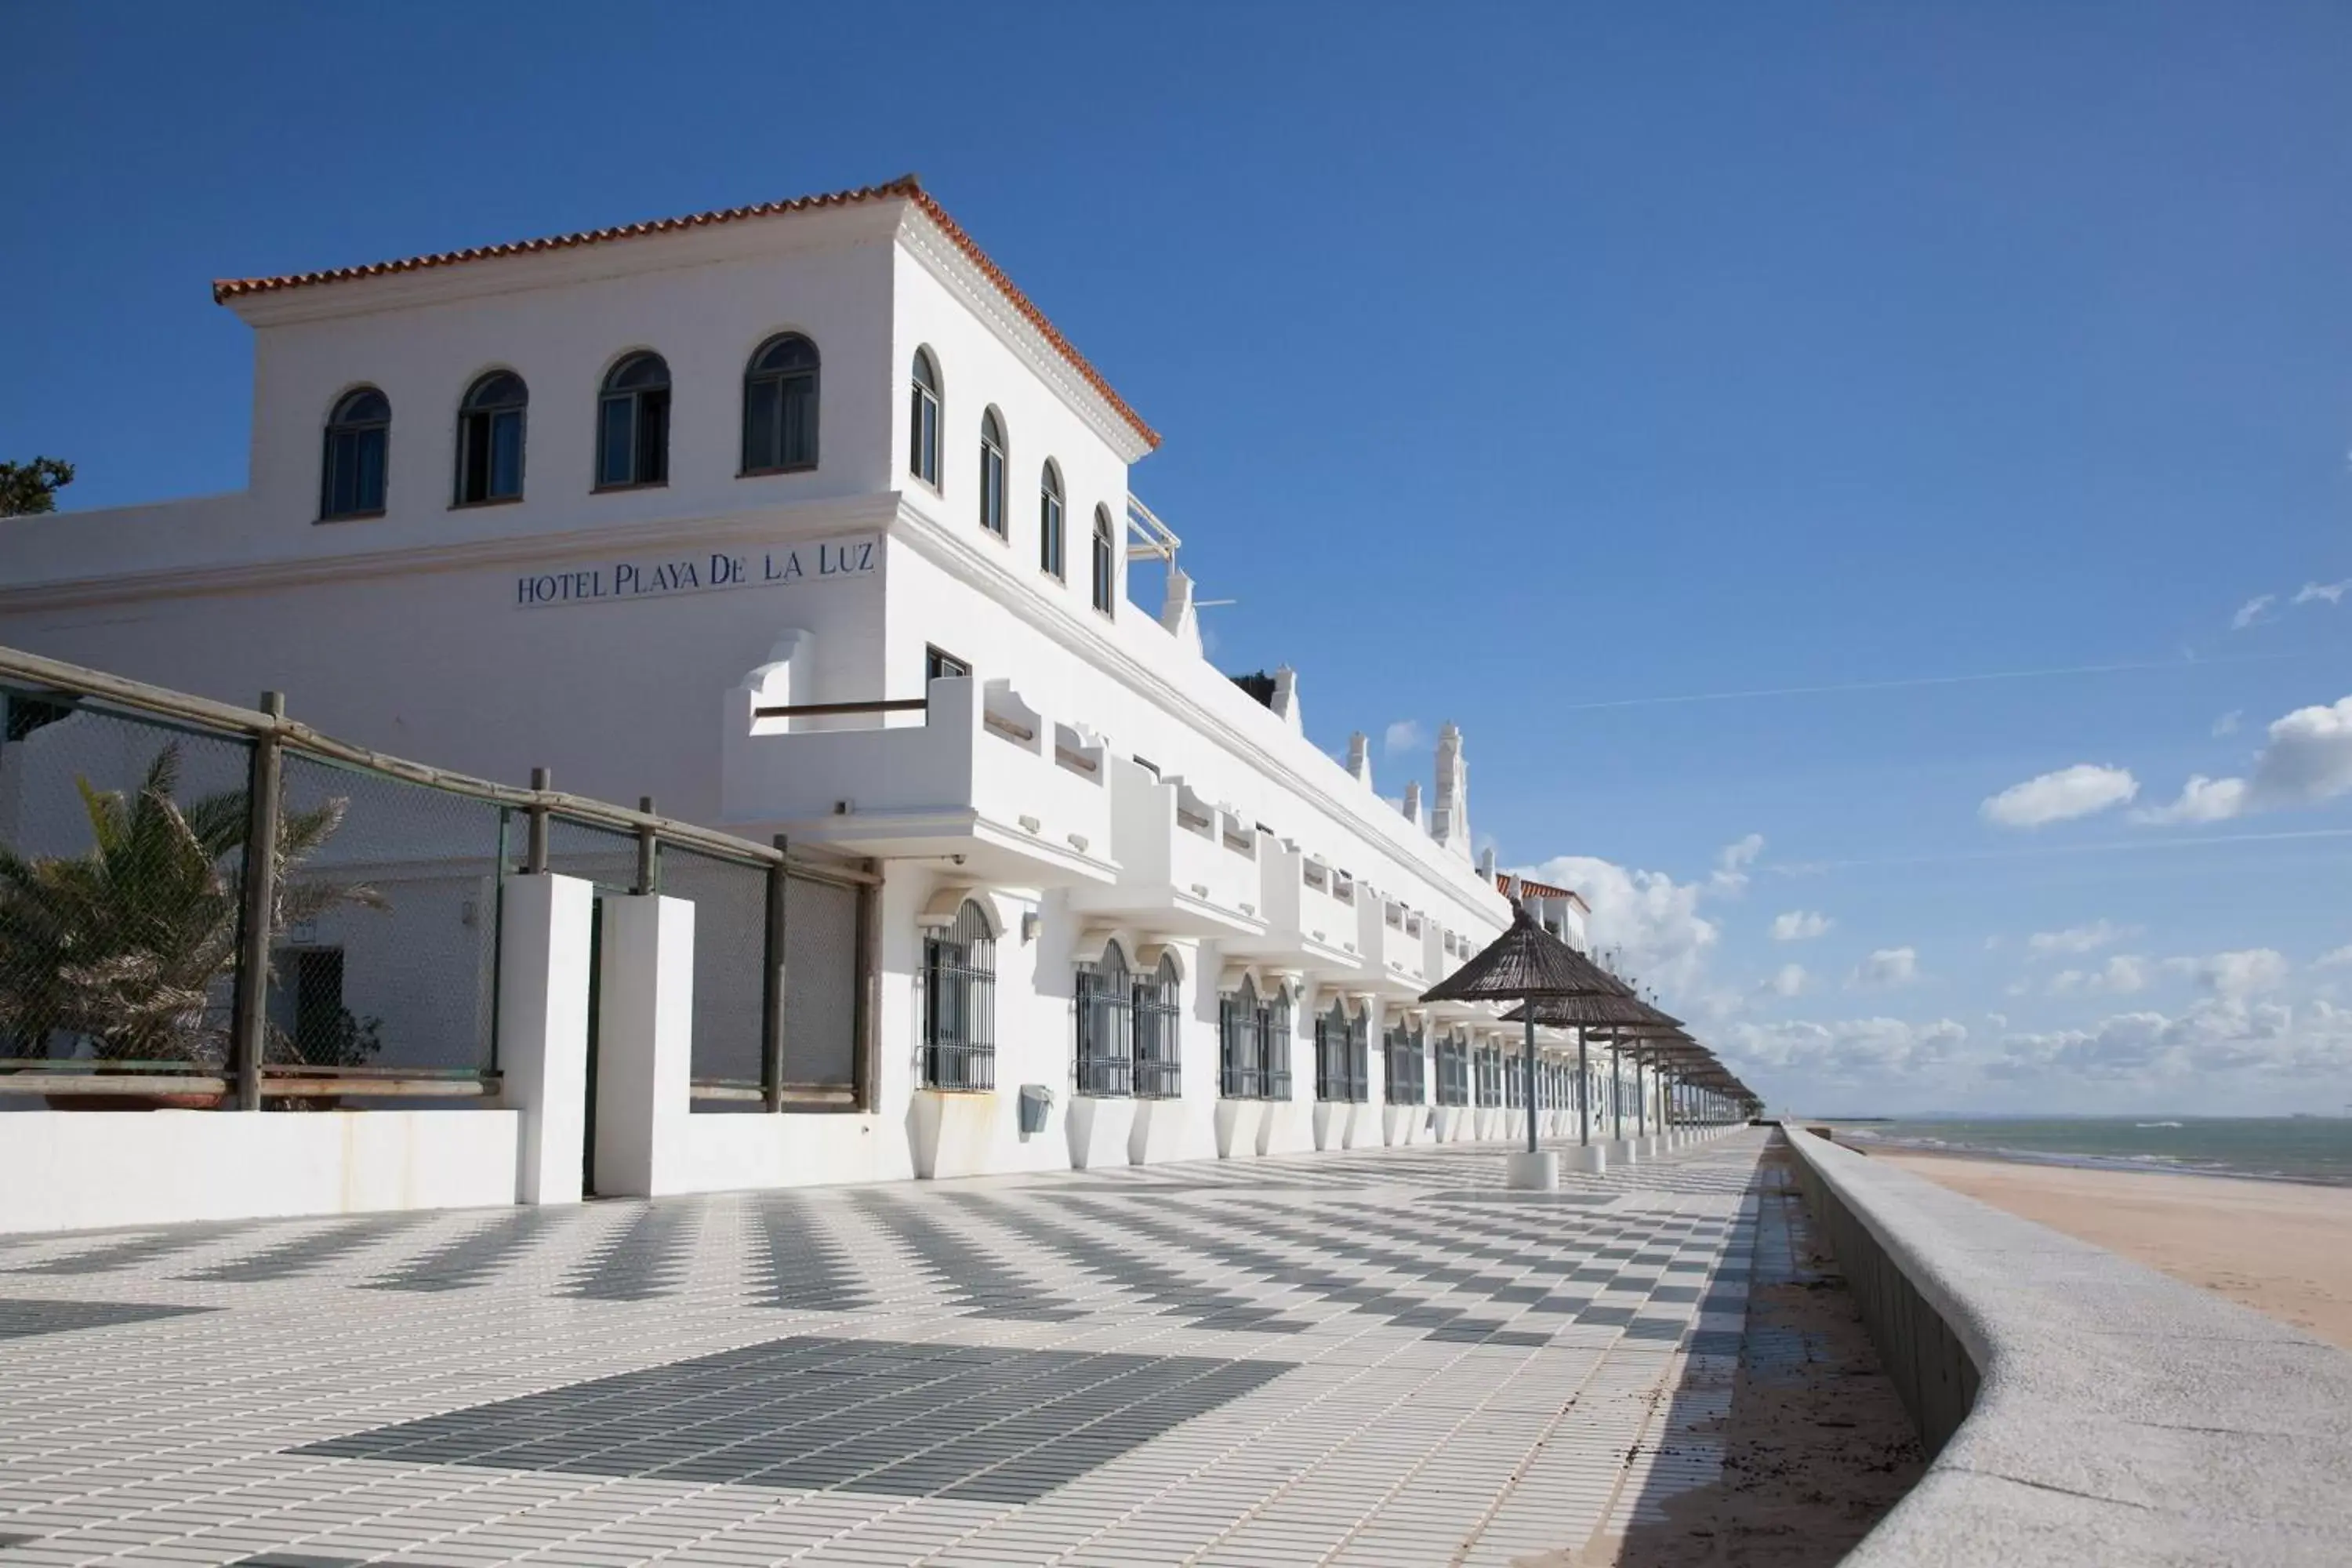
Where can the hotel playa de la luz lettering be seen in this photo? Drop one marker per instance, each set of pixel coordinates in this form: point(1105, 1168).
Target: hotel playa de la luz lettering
point(804, 523)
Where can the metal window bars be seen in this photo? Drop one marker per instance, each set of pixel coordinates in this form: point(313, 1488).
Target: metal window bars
point(1105, 993)
point(1157, 1064)
point(959, 1004)
point(1241, 1070)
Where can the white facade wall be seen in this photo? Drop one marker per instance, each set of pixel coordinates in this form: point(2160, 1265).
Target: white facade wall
point(405, 633)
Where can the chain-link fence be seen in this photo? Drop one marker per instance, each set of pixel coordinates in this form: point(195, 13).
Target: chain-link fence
point(202, 906)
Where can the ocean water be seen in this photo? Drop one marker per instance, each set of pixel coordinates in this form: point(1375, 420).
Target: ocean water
point(2279, 1149)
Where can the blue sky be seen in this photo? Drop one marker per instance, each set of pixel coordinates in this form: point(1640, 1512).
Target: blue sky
point(1524, 368)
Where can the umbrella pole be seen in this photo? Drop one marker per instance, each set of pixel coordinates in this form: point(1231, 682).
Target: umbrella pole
point(1530, 1095)
point(1616, 1091)
point(1583, 1093)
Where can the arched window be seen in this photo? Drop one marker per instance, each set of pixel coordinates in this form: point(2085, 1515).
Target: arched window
point(1105, 584)
point(351, 474)
point(633, 424)
point(1106, 996)
point(960, 1002)
point(923, 421)
point(1157, 1058)
point(1274, 1045)
point(1331, 1053)
point(1049, 520)
point(992, 473)
point(1241, 1077)
point(780, 406)
point(490, 439)
point(1359, 1056)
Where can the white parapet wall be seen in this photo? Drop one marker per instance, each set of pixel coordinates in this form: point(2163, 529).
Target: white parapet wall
point(75, 1170)
point(2090, 1411)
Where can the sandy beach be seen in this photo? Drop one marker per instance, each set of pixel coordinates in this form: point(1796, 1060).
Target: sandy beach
point(2276, 1247)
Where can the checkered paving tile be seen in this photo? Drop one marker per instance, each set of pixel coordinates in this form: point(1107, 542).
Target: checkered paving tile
point(1378, 1357)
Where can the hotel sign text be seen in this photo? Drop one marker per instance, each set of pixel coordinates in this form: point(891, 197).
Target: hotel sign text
point(825, 561)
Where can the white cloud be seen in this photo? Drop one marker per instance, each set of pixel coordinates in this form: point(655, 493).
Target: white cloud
point(2245, 972)
point(1789, 980)
point(2219, 1037)
point(2227, 724)
point(2082, 790)
point(2306, 759)
point(2251, 612)
point(1844, 1048)
point(1799, 925)
point(1405, 735)
point(2078, 939)
point(2121, 975)
point(1885, 969)
point(2339, 959)
point(2202, 800)
point(1649, 919)
point(1731, 863)
point(2331, 593)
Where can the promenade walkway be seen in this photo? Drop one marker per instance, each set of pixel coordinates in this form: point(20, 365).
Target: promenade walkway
point(1373, 1358)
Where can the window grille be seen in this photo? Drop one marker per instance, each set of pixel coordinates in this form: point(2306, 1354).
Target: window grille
point(923, 420)
point(1274, 1046)
point(780, 386)
point(1106, 997)
point(1452, 1071)
point(1402, 1056)
point(352, 470)
point(1240, 1075)
point(1331, 1053)
point(1359, 1058)
point(1157, 1060)
point(633, 424)
point(490, 439)
point(959, 1004)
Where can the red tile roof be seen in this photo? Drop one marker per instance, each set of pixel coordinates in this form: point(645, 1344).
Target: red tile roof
point(906, 187)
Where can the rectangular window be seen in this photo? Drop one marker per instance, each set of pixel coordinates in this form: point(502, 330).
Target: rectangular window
point(939, 665)
point(615, 441)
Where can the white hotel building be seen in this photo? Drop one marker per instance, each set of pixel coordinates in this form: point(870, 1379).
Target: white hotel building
point(803, 521)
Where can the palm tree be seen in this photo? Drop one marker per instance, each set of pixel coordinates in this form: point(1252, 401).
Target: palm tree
point(125, 945)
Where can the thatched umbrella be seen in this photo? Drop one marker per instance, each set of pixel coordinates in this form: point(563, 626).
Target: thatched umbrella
point(1618, 1011)
point(1528, 965)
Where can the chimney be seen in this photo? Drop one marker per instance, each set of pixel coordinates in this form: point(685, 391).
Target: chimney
point(1487, 863)
point(1450, 823)
point(1286, 698)
point(1411, 804)
point(1360, 759)
point(1176, 612)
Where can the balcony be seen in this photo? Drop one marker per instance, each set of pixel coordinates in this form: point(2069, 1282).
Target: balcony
point(1398, 937)
point(969, 771)
point(1309, 909)
point(1185, 865)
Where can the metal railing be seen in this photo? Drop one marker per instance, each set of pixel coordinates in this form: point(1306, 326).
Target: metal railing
point(204, 905)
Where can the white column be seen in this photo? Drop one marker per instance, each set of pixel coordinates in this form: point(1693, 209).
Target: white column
point(543, 941)
point(645, 1044)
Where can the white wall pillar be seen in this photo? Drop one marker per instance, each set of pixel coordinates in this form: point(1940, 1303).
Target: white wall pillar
point(644, 1046)
point(543, 941)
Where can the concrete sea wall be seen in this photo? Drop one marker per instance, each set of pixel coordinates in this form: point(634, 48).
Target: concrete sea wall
point(2080, 1409)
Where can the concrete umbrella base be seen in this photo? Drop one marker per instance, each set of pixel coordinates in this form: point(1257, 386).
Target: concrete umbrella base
point(1591, 1160)
point(1538, 1171)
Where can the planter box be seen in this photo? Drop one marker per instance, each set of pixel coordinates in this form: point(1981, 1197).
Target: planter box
point(1401, 1124)
point(1282, 1129)
point(1099, 1128)
point(1333, 1120)
point(1451, 1124)
point(1155, 1134)
point(950, 1132)
point(1239, 1122)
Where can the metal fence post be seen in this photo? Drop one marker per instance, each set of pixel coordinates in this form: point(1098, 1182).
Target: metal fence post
point(648, 850)
point(535, 842)
point(771, 987)
point(258, 888)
